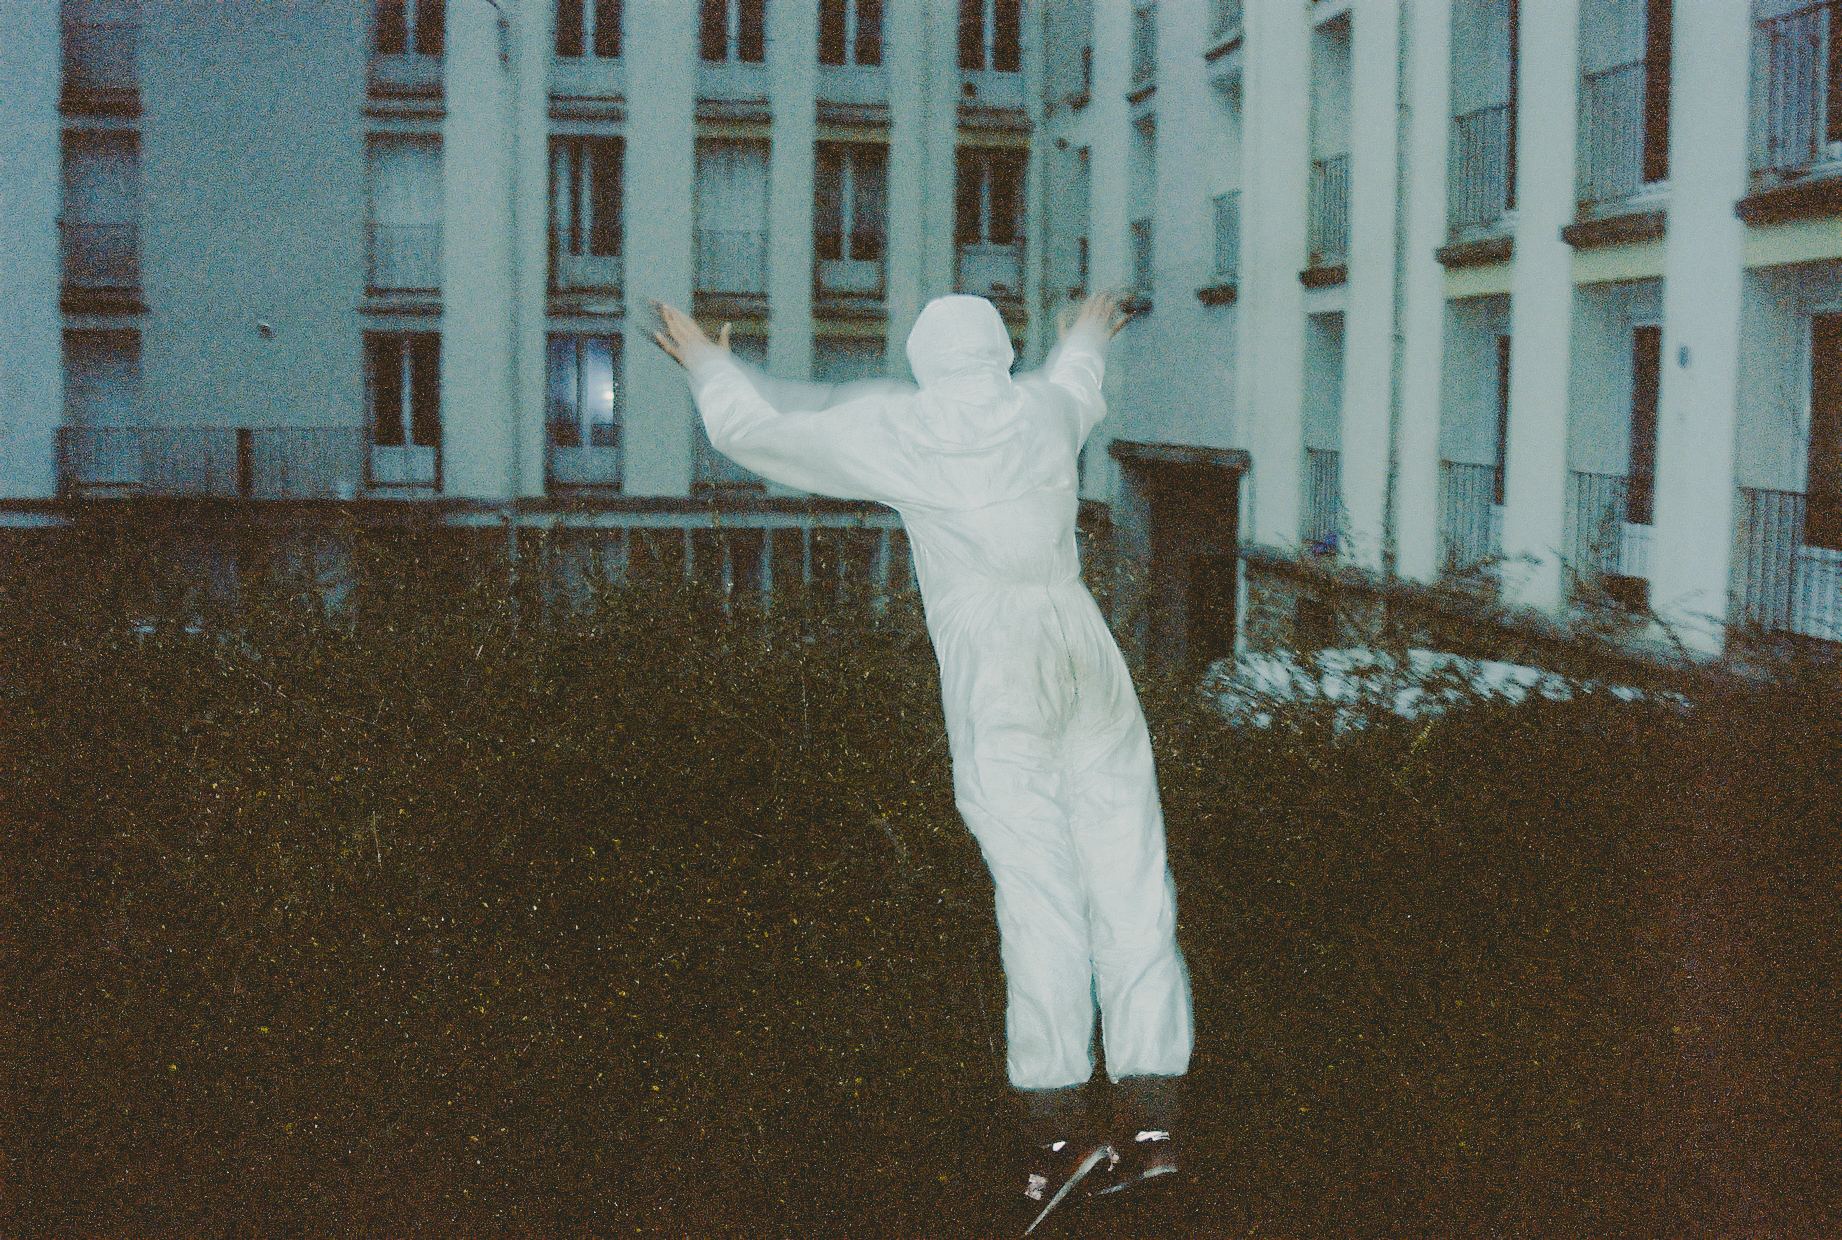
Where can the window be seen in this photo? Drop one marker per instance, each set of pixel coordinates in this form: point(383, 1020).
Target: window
point(410, 27)
point(732, 189)
point(850, 191)
point(1823, 478)
point(734, 30)
point(403, 403)
point(989, 35)
point(585, 201)
point(99, 43)
point(989, 197)
point(583, 413)
point(1144, 45)
point(850, 32)
point(1646, 360)
point(406, 208)
point(101, 211)
point(585, 27)
point(102, 378)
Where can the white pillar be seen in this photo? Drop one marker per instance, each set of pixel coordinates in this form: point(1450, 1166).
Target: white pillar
point(908, 49)
point(792, 72)
point(661, 56)
point(479, 447)
point(941, 92)
point(1271, 357)
point(1416, 488)
point(1703, 268)
point(534, 38)
point(1368, 339)
point(31, 347)
point(1541, 299)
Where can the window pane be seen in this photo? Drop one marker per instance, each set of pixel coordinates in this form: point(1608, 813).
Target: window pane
point(869, 192)
point(604, 196)
point(715, 31)
point(392, 28)
point(966, 199)
point(607, 28)
point(1006, 181)
point(601, 388)
point(386, 365)
point(972, 34)
point(425, 389)
point(561, 413)
point(869, 32)
point(828, 203)
point(431, 25)
point(752, 36)
point(569, 18)
point(831, 32)
point(1006, 51)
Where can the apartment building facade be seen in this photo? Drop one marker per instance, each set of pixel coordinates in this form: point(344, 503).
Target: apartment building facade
point(1422, 284)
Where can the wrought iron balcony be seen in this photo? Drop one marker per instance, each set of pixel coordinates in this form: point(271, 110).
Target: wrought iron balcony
point(1796, 81)
point(1611, 157)
point(1323, 522)
point(1470, 514)
point(1481, 177)
point(1600, 538)
point(1228, 237)
point(284, 462)
point(1328, 221)
point(1781, 583)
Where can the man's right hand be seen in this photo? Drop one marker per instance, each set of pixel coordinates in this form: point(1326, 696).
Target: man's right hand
point(683, 338)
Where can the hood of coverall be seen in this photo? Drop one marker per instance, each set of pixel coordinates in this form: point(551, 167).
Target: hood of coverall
point(961, 355)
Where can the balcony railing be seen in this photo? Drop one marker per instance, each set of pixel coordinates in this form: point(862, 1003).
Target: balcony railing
point(1796, 76)
point(1228, 237)
point(1598, 539)
point(1225, 18)
point(1482, 174)
point(588, 271)
point(1323, 501)
point(1329, 211)
point(1611, 158)
point(1144, 46)
point(731, 261)
point(1470, 514)
point(987, 270)
point(230, 462)
point(857, 271)
point(1784, 585)
point(101, 256)
point(99, 56)
point(405, 258)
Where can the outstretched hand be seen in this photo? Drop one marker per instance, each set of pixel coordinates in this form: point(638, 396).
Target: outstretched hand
point(1100, 311)
point(683, 338)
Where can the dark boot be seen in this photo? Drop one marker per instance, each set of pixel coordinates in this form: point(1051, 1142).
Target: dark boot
point(1061, 1147)
point(1148, 1111)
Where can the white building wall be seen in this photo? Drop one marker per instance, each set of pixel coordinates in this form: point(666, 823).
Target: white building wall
point(31, 371)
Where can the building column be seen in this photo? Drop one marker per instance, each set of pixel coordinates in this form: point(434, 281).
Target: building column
point(1270, 361)
point(534, 39)
point(940, 90)
point(793, 58)
point(478, 443)
point(1368, 336)
point(660, 41)
point(31, 325)
point(1704, 266)
point(907, 41)
point(1541, 300)
point(1422, 301)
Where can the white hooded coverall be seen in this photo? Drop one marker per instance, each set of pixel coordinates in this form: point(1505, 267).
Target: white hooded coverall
point(1052, 763)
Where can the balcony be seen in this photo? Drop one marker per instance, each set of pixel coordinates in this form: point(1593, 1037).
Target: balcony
point(1225, 19)
point(1225, 276)
point(1782, 584)
point(404, 258)
point(1144, 270)
point(590, 272)
point(1796, 138)
point(1481, 178)
point(1612, 125)
point(856, 275)
point(101, 258)
point(1602, 547)
point(1470, 515)
point(99, 67)
point(732, 262)
point(1328, 217)
point(993, 271)
point(1323, 501)
point(222, 462)
point(1144, 53)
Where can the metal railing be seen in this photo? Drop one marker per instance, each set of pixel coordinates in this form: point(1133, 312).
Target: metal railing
point(1611, 159)
point(1782, 584)
point(987, 270)
point(1796, 73)
point(99, 55)
point(1481, 178)
point(274, 462)
point(101, 256)
point(405, 257)
point(1323, 522)
point(731, 260)
point(1598, 538)
point(1228, 237)
point(1142, 254)
point(1225, 17)
point(1329, 211)
point(1470, 514)
point(1144, 45)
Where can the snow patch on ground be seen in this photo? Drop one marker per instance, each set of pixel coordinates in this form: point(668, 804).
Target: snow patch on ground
point(1356, 685)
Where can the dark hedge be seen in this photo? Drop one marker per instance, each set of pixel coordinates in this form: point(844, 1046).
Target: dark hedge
point(430, 918)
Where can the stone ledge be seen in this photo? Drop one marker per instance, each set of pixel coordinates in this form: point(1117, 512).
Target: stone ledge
point(1218, 294)
point(1324, 277)
point(1616, 230)
point(1783, 204)
point(1476, 253)
point(1236, 459)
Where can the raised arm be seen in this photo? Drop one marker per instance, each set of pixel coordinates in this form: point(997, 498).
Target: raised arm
point(1077, 364)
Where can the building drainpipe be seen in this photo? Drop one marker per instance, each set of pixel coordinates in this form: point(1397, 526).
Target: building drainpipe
point(1403, 129)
